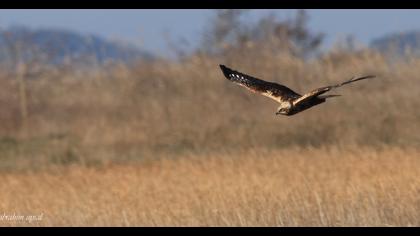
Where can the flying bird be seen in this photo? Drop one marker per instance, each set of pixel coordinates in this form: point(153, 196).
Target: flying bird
point(291, 102)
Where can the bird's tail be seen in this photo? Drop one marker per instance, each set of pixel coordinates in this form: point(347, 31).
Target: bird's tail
point(354, 79)
point(329, 96)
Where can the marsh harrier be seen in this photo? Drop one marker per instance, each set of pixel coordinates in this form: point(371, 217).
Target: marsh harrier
point(290, 101)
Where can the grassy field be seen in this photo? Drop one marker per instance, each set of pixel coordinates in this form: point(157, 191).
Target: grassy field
point(173, 143)
point(301, 187)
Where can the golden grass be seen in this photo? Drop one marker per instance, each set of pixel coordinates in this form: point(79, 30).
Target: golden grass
point(123, 112)
point(294, 187)
point(174, 143)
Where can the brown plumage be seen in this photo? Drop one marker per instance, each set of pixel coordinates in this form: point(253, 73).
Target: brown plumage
point(290, 101)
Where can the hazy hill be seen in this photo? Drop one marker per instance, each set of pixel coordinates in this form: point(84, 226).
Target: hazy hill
point(398, 43)
point(68, 44)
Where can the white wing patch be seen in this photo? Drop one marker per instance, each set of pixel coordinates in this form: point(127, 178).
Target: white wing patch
point(237, 76)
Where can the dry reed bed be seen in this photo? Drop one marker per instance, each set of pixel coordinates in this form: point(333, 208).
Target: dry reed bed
point(123, 112)
point(294, 187)
point(167, 143)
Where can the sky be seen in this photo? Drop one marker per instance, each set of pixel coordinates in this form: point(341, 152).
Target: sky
point(149, 29)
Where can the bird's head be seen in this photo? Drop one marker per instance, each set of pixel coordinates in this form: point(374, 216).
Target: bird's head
point(284, 108)
point(282, 111)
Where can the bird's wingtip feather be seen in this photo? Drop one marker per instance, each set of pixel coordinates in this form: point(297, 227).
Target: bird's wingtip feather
point(225, 70)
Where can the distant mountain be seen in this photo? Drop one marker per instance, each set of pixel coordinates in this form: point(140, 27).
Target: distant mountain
point(63, 45)
point(398, 43)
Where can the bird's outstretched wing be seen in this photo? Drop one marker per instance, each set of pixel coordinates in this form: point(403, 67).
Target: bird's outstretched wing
point(319, 91)
point(274, 91)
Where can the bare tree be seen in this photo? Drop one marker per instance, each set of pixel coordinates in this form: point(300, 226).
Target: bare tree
point(306, 42)
point(229, 31)
point(225, 29)
point(25, 60)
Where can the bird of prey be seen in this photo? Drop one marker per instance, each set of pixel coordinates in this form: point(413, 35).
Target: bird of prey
point(291, 102)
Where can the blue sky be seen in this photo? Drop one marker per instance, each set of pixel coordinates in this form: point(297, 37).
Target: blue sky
point(148, 28)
